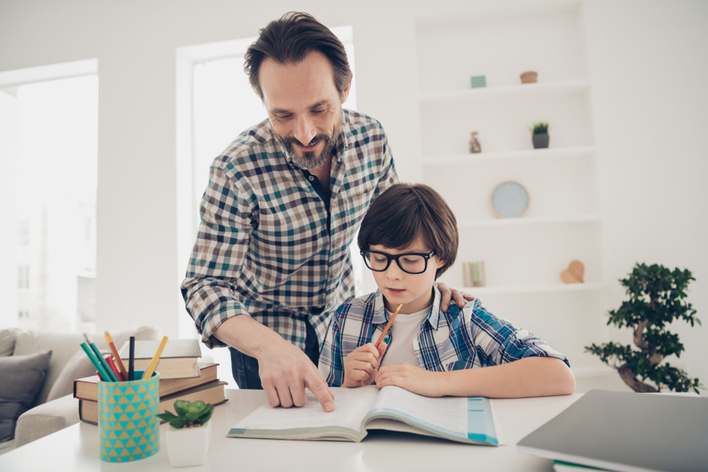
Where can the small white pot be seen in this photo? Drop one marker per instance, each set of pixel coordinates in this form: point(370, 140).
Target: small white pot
point(188, 447)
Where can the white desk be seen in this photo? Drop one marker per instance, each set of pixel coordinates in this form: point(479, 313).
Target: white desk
point(76, 448)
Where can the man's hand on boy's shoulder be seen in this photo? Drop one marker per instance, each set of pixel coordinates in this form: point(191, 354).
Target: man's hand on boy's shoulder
point(447, 294)
point(411, 378)
point(362, 364)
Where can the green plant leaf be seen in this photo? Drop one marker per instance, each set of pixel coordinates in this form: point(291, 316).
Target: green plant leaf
point(178, 423)
point(167, 416)
point(182, 407)
point(206, 415)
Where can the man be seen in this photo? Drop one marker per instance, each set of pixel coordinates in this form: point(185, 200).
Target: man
point(283, 204)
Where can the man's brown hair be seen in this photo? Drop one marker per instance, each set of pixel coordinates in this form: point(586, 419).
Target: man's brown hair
point(405, 212)
point(288, 40)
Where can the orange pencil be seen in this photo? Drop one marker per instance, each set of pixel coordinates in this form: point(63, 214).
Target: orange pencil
point(388, 325)
point(116, 356)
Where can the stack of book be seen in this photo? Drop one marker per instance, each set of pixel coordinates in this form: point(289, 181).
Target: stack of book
point(182, 377)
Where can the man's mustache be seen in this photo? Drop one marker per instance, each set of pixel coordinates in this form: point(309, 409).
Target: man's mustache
point(315, 140)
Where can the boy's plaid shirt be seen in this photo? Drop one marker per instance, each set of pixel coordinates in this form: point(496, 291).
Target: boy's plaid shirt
point(265, 247)
point(459, 339)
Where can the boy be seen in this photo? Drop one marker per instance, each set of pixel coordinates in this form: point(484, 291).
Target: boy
point(408, 239)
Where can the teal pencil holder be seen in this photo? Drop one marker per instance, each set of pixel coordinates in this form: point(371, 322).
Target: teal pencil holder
point(128, 429)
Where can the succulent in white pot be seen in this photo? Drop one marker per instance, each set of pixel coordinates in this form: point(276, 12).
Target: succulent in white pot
point(189, 433)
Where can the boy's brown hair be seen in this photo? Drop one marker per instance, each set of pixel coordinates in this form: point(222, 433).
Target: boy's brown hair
point(405, 212)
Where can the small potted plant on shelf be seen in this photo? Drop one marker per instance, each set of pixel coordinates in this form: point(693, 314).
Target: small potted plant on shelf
point(656, 299)
point(189, 433)
point(540, 135)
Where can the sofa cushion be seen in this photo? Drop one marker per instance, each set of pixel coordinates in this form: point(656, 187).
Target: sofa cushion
point(78, 367)
point(7, 341)
point(65, 346)
point(22, 380)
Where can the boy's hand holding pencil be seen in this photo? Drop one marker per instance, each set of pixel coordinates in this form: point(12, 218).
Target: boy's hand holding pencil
point(363, 362)
point(362, 365)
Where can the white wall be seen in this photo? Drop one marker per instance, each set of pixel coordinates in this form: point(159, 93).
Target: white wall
point(648, 63)
point(649, 105)
point(8, 209)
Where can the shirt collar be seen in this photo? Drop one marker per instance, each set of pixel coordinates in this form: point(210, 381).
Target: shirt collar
point(381, 317)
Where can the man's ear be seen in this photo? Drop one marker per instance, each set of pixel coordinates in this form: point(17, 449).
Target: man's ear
point(347, 89)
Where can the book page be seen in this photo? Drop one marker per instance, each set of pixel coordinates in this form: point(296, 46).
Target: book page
point(350, 407)
point(447, 413)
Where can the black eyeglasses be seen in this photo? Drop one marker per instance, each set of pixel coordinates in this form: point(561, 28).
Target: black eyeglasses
point(410, 263)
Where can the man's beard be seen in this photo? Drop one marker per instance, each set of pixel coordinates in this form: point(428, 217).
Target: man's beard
point(309, 159)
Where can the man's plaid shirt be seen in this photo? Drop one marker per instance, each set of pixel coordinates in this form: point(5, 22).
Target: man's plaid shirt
point(454, 340)
point(264, 246)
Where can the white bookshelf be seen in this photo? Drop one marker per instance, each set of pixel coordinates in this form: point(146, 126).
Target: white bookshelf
point(548, 288)
point(523, 256)
point(569, 153)
point(507, 91)
point(464, 224)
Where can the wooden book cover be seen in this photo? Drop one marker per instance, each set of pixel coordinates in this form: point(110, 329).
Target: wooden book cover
point(87, 387)
point(179, 359)
point(213, 393)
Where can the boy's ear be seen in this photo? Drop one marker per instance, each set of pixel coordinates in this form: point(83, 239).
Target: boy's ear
point(441, 263)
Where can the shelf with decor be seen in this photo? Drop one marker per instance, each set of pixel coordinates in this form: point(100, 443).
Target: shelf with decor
point(504, 157)
point(462, 224)
point(526, 258)
point(506, 91)
point(547, 288)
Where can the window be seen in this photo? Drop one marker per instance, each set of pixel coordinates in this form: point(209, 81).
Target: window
point(48, 138)
point(23, 276)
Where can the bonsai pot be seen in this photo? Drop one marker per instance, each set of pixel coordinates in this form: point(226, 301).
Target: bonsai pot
point(188, 447)
point(540, 141)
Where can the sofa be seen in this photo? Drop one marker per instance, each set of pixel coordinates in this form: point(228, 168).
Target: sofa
point(37, 373)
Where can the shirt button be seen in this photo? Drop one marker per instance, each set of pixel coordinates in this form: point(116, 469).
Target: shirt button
point(312, 177)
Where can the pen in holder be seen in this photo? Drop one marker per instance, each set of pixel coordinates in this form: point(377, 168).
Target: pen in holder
point(128, 429)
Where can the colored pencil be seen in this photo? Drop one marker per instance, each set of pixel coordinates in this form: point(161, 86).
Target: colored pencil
point(388, 325)
point(131, 359)
point(94, 361)
point(99, 356)
point(116, 356)
point(112, 365)
point(155, 359)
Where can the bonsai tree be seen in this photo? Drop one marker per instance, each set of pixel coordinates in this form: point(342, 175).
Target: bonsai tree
point(656, 298)
point(189, 415)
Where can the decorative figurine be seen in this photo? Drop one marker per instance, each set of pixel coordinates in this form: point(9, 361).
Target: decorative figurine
point(529, 77)
point(475, 147)
point(574, 274)
point(473, 274)
point(478, 81)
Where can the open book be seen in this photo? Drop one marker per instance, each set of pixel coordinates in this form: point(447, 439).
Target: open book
point(358, 410)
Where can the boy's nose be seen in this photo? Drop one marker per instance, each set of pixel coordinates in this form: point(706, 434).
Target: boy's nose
point(394, 271)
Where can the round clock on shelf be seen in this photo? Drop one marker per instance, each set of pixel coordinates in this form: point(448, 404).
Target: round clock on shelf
point(509, 200)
